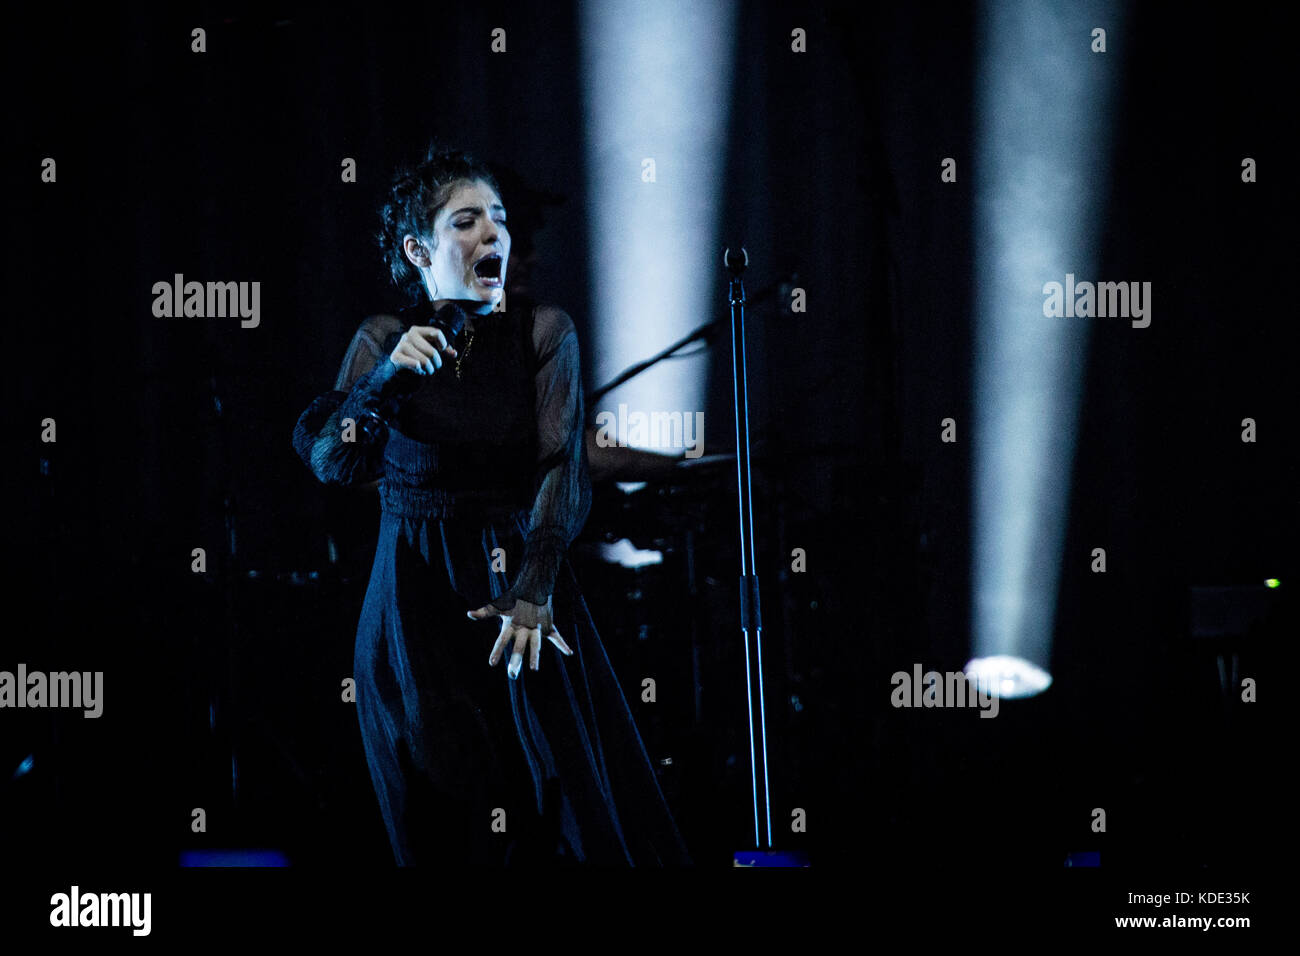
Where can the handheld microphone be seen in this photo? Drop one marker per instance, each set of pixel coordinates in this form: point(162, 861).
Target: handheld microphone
point(451, 319)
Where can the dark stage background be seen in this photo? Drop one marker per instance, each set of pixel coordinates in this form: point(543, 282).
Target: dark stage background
point(174, 434)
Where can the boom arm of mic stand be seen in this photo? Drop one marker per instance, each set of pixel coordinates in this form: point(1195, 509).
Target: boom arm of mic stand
point(704, 330)
point(635, 370)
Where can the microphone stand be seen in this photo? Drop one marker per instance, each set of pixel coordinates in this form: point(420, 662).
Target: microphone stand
point(751, 624)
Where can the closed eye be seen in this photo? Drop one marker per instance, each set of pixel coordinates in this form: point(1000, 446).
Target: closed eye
point(466, 223)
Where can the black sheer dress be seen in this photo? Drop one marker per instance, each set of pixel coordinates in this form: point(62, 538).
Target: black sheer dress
point(469, 765)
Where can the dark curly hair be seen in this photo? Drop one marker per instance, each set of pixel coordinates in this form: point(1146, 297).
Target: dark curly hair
point(415, 197)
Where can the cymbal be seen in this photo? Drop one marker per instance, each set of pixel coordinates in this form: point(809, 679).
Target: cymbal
point(705, 462)
point(617, 463)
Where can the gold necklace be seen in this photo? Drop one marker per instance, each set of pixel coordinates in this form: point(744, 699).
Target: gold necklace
point(464, 355)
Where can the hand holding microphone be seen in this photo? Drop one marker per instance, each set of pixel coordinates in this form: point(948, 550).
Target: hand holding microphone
point(422, 347)
point(418, 353)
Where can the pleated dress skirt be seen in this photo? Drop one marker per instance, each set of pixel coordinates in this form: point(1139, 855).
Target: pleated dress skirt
point(471, 767)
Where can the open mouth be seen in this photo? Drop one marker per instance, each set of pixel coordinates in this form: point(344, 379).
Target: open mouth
point(488, 269)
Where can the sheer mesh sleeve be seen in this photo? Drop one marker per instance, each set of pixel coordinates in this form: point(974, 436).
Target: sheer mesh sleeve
point(563, 497)
point(365, 394)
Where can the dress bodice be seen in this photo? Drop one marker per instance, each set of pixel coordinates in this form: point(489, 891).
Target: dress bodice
point(505, 439)
point(472, 438)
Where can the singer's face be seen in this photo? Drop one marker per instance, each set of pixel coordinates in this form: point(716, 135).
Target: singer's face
point(470, 227)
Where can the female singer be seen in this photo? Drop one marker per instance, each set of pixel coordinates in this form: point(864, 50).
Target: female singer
point(477, 444)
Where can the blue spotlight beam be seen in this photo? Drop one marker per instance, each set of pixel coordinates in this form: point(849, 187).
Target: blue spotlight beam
point(1042, 168)
point(657, 84)
point(751, 623)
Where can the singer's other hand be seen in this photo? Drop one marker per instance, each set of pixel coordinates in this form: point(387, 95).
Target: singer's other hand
point(523, 629)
